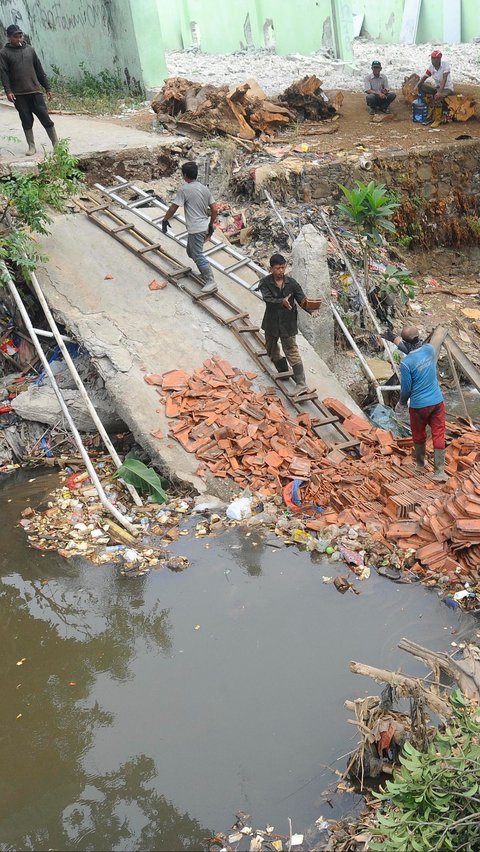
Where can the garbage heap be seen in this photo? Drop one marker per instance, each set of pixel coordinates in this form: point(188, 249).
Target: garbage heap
point(247, 435)
point(244, 111)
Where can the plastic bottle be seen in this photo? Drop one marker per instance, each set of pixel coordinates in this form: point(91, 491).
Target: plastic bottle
point(419, 110)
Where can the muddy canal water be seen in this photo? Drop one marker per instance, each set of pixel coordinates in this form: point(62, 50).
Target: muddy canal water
point(146, 712)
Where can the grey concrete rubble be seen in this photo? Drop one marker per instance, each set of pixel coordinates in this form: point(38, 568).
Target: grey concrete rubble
point(310, 269)
point(41, 405)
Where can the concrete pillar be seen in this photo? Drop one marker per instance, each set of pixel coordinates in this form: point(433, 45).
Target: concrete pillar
point(310, 269)
point(148, 35)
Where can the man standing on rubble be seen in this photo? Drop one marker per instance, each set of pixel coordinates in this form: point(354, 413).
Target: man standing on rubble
point(376, 89)
point(200, 214)
point(419, 384)
point(280, 292)
point(22, 78)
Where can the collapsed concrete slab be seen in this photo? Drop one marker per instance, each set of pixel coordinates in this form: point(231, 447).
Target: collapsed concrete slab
point(100, 291)
point(41, 405)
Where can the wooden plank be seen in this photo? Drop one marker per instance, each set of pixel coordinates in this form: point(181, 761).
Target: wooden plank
point(411, 14)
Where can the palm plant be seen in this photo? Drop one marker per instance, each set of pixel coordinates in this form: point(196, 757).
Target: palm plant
point(369, 207)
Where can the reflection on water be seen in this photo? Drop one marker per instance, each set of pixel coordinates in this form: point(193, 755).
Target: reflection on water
point(136, 730)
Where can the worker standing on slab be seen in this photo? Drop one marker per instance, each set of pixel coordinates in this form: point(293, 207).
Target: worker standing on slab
point(378, 95)
point(419, 384)
point(22, 78)
point(281, 292)
point(437, 80)
point(200, 214)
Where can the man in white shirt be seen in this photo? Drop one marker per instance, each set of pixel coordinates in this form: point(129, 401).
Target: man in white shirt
point(376, 89)
point(437, 80)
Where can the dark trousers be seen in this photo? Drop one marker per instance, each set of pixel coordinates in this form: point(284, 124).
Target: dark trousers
point(382, 104)
point(29, 105)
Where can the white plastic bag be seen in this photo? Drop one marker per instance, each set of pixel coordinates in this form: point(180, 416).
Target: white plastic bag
point(240, 508)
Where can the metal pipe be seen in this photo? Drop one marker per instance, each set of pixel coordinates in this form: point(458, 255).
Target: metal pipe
point(361, 292)
point(40, 332)
point(6, 277)
point(364, 365)
point(81, 387)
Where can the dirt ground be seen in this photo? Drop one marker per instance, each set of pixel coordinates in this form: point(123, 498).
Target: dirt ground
point(355, 126)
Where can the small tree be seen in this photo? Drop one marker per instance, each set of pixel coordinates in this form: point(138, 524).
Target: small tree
point(369, 207)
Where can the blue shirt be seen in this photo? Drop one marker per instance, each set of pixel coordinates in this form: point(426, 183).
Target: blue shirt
point(418, 375)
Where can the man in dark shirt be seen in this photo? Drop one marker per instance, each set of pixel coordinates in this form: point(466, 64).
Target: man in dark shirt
point(22, 77)
point(280, 293)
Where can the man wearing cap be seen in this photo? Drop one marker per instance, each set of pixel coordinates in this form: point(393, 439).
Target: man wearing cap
point(419, 384)
point(437, 79)
point(22, 77)
point(376, 89)
point(280, 292)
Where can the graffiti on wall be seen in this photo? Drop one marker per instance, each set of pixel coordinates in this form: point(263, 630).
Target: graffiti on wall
point(54, 17)
point(14, 12)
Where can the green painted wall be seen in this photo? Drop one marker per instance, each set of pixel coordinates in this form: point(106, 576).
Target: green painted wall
point(102, 34)
point(304, 26)
point(382, 18)
point(470, 20)
point(149, 42)
point(430, 22)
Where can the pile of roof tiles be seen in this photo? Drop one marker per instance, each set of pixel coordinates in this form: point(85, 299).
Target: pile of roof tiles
point(249, 436)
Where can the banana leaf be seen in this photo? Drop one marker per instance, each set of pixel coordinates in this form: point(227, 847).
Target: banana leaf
point(143, 478)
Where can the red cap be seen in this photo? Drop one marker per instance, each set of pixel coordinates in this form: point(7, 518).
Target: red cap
point(436, 54)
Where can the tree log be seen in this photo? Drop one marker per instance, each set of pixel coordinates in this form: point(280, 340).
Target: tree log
point(467, 676)
point(406, 685)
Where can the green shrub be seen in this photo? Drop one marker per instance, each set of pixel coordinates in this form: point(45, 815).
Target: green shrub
point(433, 801)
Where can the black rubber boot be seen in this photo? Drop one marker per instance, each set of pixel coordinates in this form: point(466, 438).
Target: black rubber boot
point(31, 143)
point(52, 135)
point(439, 474)
point(420, 456)
point(281, 365)
point(299, 377)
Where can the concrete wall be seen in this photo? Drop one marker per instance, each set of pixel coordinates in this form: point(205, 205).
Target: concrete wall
point(123, 36)
point(305, 26)
point(298, 26)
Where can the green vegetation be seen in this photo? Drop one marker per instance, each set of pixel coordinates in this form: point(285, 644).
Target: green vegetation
point(143, 478)
point(103, 93)
point(369, 207)
point(396, 282)
point(25, 202)
point(433, 801)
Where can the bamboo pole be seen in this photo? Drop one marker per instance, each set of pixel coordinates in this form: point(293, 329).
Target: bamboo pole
point(366, 369)
point(361, 291)
point(81, 387)
point(406, 683)
point(6, 277)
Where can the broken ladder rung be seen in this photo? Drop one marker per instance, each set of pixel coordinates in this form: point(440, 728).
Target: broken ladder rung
point(302, 396)
point(248, 328)
point(236, 317)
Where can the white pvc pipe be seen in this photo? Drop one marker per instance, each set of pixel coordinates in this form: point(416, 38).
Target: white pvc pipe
point(366, 369)
point(88, 464)
point(362, 293)
point(83, 393)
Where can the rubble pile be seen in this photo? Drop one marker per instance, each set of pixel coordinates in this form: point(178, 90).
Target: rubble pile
point(242, 110)
point(76, 524)
point(249, 437)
